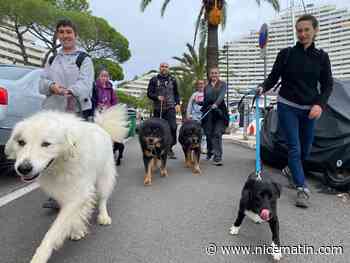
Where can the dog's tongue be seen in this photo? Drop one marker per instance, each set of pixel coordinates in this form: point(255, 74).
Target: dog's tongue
point(265, 214)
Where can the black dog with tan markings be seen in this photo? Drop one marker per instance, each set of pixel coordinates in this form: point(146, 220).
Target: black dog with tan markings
point(155, 140)
point(190, 138)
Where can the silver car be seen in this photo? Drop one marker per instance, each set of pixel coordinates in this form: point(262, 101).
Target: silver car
point(19, 98)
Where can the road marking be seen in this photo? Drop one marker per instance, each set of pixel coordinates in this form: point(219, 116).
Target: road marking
point(17, 194)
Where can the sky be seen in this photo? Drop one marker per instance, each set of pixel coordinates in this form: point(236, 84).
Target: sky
point(153, 39)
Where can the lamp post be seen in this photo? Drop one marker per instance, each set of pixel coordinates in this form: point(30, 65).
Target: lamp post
point(227, 72)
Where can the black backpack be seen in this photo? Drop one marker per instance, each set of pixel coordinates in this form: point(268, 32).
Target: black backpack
point(80, 58)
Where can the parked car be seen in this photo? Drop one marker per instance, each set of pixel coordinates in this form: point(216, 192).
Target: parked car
point(19, 98)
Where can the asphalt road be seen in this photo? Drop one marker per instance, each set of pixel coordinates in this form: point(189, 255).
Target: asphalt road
point(178, 217)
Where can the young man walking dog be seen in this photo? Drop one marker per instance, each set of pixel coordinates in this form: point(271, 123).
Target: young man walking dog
point(67, 77)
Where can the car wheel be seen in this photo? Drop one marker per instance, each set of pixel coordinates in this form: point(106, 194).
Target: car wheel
point(338, 178)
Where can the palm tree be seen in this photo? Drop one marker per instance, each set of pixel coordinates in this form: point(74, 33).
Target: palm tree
point(206, 21)
point(192, 68)
point(193, 62)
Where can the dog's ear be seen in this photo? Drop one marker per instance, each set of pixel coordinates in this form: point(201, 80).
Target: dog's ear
point(10, 147)
point(278, 189)
point(70, 144)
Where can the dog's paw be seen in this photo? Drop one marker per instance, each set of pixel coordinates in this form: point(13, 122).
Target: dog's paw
point(164, 173)
point(37, 258)
point(104, 220)
point(196, 171)
point(234, 230)
point(276, 252)
point(188, 164)
point(77, 235)
point(147, 180)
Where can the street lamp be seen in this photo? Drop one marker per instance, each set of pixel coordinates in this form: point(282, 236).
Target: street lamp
point(225, 51)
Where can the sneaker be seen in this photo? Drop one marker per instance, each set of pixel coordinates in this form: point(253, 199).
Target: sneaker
point(303, 196)
point(171, 154)
point(288, 174)
point(217, 162)
point(209, 156)
point(52, 204)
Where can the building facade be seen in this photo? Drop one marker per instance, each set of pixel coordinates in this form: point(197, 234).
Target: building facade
point(137, 87)
point(245, 64)
point(10, 53)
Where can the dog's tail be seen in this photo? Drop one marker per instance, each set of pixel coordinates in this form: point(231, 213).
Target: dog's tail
point(114, 121)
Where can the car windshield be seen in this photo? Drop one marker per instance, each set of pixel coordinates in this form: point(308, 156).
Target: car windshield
point(13, 73)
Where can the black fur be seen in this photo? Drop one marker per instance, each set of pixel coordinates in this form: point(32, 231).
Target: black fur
point(258, 195)
point(190, 137)
point(155, 140)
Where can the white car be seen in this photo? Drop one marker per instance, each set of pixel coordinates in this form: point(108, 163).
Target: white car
point(19, 98)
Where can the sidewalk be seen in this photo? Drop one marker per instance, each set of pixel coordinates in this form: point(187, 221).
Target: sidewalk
point(237, 138)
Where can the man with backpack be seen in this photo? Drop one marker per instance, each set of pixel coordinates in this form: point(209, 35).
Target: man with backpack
point(68, 76)
point(67, 79)
point(162, 90)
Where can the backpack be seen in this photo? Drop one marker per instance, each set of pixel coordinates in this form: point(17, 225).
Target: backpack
point(79, 61)
point(285, 61)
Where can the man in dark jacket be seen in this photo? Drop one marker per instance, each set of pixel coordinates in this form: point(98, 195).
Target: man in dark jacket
point(162, 90)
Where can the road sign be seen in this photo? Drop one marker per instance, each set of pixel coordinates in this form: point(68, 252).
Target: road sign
point(263, 36)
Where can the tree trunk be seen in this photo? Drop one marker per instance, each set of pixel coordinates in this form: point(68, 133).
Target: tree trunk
point(212, 47)
point(21, 44)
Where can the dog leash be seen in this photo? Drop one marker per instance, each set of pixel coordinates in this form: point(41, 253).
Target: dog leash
point(257, 139)
point(205, 114)
point(161, 109)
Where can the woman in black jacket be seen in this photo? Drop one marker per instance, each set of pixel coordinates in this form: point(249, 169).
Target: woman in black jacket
point(215, 122)
point(300, 102)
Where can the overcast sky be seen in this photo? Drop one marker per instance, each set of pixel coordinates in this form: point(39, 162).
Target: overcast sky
point(154, 39)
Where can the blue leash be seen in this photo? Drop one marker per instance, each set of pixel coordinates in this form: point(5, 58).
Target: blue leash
point(257, 139)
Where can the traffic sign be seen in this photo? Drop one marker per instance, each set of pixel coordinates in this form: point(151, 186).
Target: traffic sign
point(263, 36)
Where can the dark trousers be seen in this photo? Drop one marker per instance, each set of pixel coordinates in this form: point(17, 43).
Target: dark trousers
point(214, 129)
point(170, 116)
point(298, 131)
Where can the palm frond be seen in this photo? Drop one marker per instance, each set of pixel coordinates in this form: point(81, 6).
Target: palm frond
point(181, 60)
point(144, 4)
point(164, 6)
point(192, 53)
point(204, 30)
point(275, 4)
point(224, 15)
point(198, 22)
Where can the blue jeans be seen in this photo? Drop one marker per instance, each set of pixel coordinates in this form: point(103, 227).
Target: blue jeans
point(298, 131)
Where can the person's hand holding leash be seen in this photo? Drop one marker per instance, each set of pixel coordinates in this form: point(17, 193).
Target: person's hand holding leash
point(214, 106)
point(56, 89)
point(161, 98)
point(315, 112)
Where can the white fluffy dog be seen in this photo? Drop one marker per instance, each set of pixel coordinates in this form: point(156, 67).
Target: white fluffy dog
point(73, 162)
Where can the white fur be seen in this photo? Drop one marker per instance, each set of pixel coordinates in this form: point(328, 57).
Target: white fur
point(253, 216)
point(276, 252)
point(234, 230)
point(83, 171)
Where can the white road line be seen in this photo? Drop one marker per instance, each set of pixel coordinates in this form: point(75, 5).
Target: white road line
point(17, 194)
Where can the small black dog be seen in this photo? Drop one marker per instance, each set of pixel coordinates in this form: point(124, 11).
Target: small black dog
point(190, 137)
point(155, 140)
point(118, 146)
point(259, 202)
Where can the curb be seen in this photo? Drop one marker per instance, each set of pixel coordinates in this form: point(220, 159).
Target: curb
point(245, 143)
